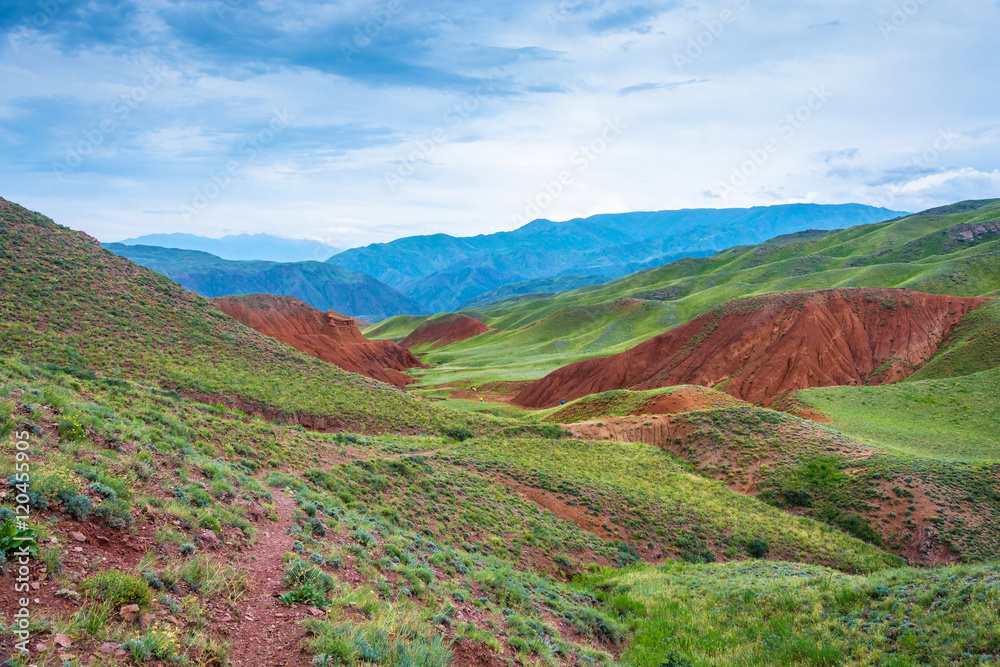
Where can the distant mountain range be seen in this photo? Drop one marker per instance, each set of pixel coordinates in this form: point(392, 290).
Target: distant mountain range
point(443, 272)
point(324, 286)
point(243, 247)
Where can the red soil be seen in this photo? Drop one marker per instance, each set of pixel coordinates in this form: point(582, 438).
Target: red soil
point(762, 348)
point(328, 336)
point(444, 331)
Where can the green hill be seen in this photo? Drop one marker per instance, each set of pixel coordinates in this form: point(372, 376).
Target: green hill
point(68, 302)
point(954, 250)
point(323, 286)
point(193, 457)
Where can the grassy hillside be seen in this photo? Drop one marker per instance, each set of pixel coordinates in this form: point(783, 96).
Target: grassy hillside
point(68, 302)
point(395, 328)
point(193, 457)
point(448, 547)
point(956, 419)
point(323, 286)
point(932, 251)
point(949, 409)
point(786, 614)
point(539, 287)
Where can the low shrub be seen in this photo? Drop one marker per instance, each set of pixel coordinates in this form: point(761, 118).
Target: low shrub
point(118, 588)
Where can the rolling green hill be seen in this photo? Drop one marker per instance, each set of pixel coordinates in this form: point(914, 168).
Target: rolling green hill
point(954, 250)
point(323, 286)
point(68, 302)
point(194, 458)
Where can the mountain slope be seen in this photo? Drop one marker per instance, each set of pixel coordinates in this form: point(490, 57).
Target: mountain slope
point(444, 330)
point(323, 286)
point(539, 287)
point(66, 301)
point(761, 348)
point(541, 334)
point(243, 247)
point(323, 335)
point(441, 272)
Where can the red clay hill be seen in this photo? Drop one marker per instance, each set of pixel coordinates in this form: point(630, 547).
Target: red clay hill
point(328, 336)
point(762, 348)
point(444, 330)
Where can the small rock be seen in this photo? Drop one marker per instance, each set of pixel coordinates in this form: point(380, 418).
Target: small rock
point(226, 618)
point(53, 540)
point(79, 537)
point(103, 540)
point(78, 549)
point(315, 612)
point(210, 538)
point(129, 612)
point(62, 640)
point(145, 620)
point(120, 653)
point(171, 619)
point(108, 648)
point(34, 585)
point(41, 647)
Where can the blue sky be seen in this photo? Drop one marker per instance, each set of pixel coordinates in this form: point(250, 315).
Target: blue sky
point(357, 122)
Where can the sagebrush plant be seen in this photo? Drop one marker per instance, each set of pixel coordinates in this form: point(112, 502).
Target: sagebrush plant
point(118, 588)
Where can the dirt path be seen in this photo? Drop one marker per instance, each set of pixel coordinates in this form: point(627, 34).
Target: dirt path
point(267, 634)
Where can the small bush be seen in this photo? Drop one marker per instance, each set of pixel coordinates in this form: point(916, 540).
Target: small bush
point(116, 512)
point(460, 434)
point(103, 490)
point(118, 588)
point(78, 507)
point(70, 430)
point(758, 548)
point(798, 498)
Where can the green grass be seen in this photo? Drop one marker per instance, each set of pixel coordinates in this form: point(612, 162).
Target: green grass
point(668, 495)
point(951, 419)
point(81, 307)
point(787, 614)
point(540, 335)
point(973, 347)
point(395, 328)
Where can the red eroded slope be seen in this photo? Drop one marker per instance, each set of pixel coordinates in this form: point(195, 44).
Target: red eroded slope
point(761, 348)
point(328, 336)
point(444, 331)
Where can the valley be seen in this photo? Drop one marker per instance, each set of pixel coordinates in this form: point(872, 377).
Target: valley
point(785, 453)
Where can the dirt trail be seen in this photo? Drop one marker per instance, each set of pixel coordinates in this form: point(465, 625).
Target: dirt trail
point(268, 634)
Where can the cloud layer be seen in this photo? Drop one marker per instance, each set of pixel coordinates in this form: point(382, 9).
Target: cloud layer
point(358, 122)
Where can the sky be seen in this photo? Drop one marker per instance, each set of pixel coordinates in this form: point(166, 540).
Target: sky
point(360, 122)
